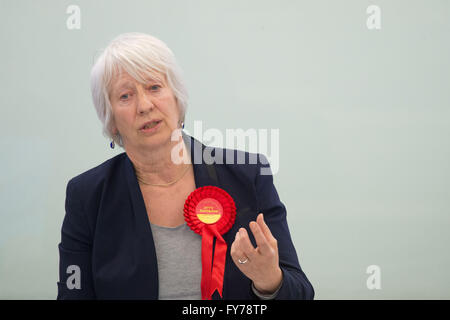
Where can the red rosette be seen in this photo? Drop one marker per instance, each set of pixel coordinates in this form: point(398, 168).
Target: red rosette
point(228, 214)
point(210, 212)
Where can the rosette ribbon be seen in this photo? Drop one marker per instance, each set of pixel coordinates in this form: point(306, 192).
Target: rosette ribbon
point(210, 212)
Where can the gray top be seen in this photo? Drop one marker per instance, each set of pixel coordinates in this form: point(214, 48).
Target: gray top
point(178, 251)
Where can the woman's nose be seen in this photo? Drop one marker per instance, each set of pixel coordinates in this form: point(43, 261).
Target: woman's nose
point(145, 103)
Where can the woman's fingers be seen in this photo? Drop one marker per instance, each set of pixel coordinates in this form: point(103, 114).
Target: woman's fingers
point(261, 241)
point(242, 247)
point(245, 245)
point(265, 229)
point(236, 253)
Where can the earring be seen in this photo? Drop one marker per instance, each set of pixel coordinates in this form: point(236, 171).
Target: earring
point(182, 125)
point(112, 144)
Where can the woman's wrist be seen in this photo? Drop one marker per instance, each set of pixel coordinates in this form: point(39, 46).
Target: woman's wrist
point(271, 286)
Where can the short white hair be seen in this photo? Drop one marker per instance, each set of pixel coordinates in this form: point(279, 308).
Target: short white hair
point(142, 56)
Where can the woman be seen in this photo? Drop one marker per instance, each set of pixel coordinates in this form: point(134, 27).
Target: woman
point(124, 235)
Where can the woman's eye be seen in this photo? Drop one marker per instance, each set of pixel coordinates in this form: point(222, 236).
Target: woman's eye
point(124, 96)
point(155, 87)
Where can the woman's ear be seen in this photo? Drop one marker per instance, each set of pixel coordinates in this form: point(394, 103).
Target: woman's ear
point(114, 129)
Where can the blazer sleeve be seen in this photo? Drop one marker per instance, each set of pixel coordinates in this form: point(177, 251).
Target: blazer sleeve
point(295, 284)
point(75, 248)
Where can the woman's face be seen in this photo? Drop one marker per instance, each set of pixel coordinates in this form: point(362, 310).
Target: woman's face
point(135, 104)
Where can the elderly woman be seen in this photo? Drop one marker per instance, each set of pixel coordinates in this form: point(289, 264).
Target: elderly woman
point(124, 234)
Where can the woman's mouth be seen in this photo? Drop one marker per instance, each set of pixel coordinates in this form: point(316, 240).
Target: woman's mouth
point(151, 127)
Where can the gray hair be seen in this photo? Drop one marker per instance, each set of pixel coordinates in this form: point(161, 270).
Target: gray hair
point(142, 56)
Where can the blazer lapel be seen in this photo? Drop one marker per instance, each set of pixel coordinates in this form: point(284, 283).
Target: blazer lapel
point(205, 174)
point(144, 234)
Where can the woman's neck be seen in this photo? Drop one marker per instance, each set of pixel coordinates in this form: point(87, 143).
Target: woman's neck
point(157, 166)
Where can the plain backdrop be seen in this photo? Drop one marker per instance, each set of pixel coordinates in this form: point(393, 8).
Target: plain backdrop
point(363, 118)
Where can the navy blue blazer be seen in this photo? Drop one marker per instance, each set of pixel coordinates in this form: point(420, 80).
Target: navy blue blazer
point(107, 234)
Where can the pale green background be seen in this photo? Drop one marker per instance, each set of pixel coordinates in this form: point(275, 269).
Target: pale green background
point(363, 118)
